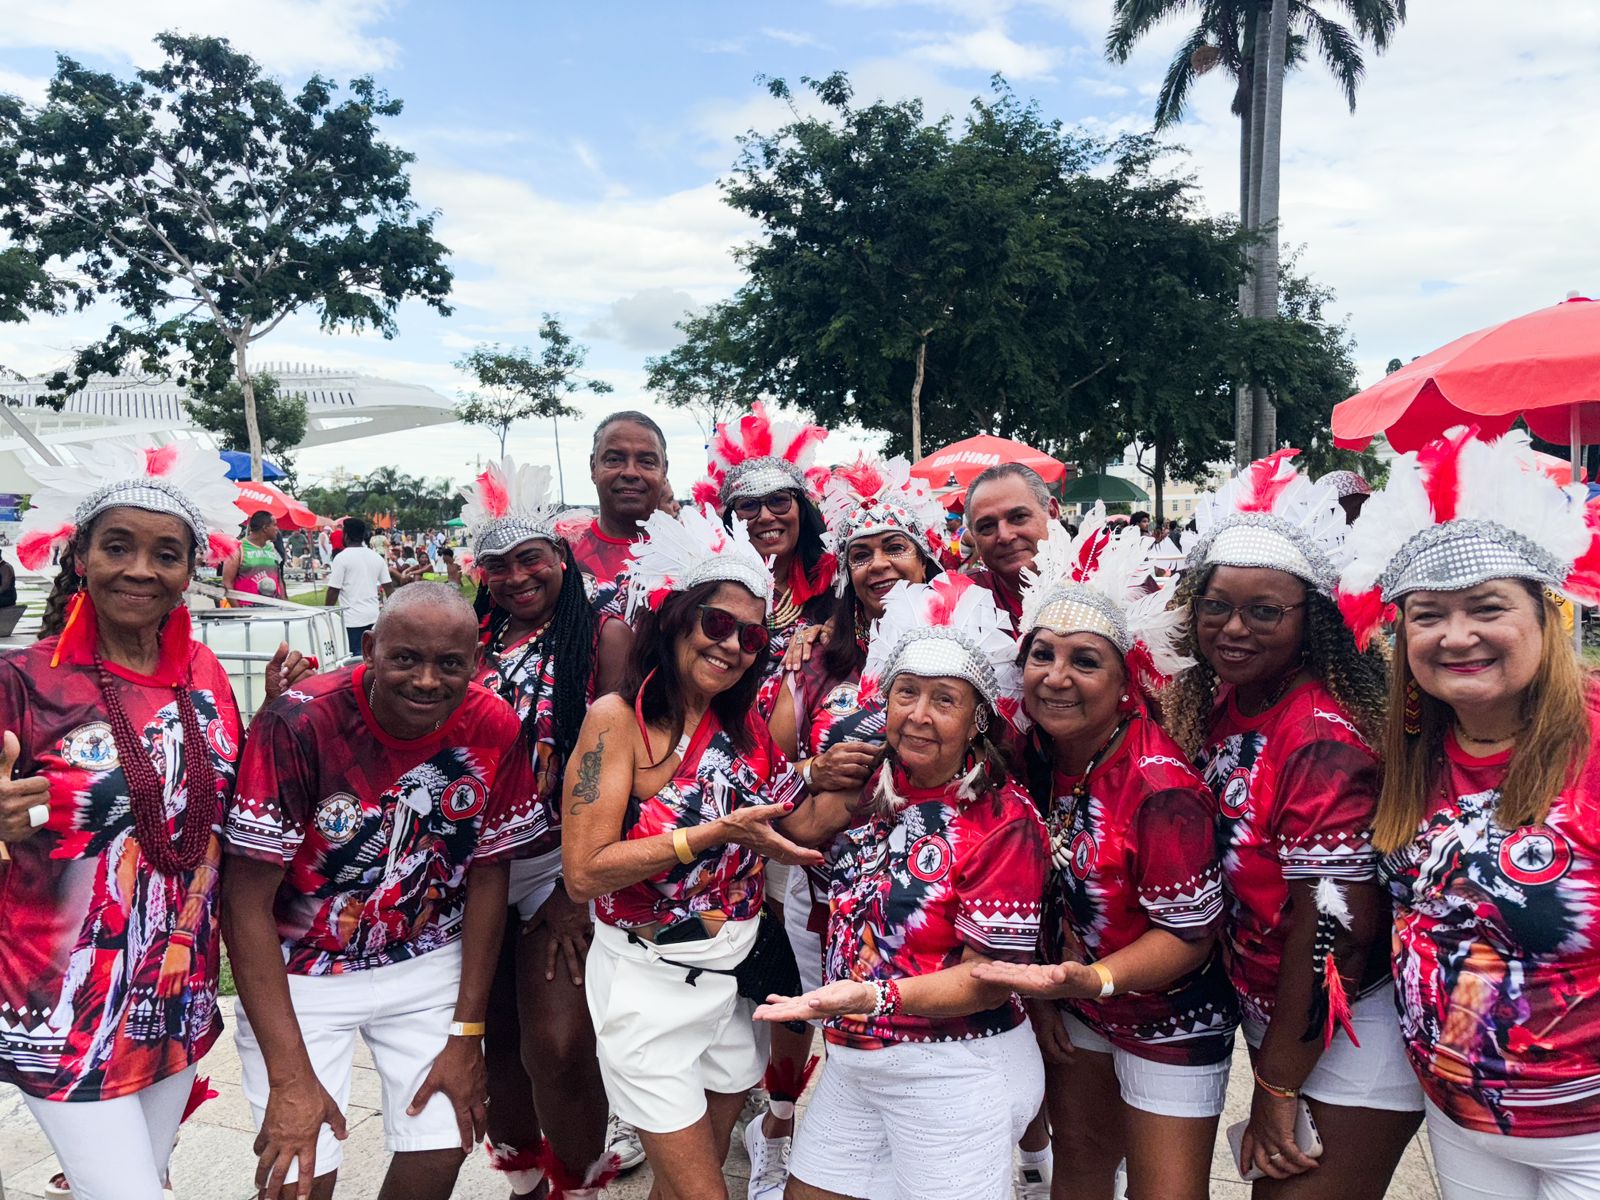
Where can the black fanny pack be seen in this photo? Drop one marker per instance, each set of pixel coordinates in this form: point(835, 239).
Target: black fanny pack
point(768, 970)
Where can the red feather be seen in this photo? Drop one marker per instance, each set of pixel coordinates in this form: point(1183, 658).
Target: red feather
point(509, 1158)
point(563, 1180)
point(656, 598)
point(220, 547)
point(809, 436)
point(199, 1092)
point(1584, 581)
point(493, 496)
point(33, 549)
point(944, 593)
point(802, 587)
point(863, 476)
point(1141, 668)
point(1265, 480)
point(817, 480)
point(1440, 464)
point(1089, 555)
point(1338, 1004)
point(755, 430)
point(158, 460)
point(704, 493)
point(1364, 613)
point(725, 451)
point(785, 1081)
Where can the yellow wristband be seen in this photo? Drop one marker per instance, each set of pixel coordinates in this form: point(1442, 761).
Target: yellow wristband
point(467, 1028)
point(1108, 986)
point(680, 845)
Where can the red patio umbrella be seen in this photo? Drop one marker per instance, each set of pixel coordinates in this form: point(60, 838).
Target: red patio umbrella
point(285, 509)
point(959, 463)
point(1543, 367)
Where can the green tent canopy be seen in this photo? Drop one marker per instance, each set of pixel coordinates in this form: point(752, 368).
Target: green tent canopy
point(1113, 489)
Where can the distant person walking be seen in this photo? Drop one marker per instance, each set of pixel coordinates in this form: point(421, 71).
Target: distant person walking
point(358, 578)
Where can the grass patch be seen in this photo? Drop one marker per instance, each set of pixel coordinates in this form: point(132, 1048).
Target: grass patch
point(227, 987)
point(314, 599)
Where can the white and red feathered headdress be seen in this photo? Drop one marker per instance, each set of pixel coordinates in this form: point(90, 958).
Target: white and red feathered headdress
point(680, 553)
point(1461, 511)
point(1103, 581)
point(182, 480)
point(947, 627)
point(1270, 515)
point(756, 456)
point(507, 505)
point(869, 496)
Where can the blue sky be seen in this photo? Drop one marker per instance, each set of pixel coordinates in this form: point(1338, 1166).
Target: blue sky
point(573, 153)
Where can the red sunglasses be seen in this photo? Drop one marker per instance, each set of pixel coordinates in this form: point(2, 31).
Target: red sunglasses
point(719, 625)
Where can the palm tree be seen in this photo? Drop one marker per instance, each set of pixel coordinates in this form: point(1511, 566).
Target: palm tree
point(1236, 36)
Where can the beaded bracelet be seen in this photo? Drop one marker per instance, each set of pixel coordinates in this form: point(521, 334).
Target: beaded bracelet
point(888, 1001)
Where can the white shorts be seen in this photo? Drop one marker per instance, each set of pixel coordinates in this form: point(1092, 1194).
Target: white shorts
point(532, 882)
point(806, 944)
point(1165, 1089)
point(1375, 1074)
point(663, 1043)
point(403, 1013)
point(116, 1149)
point(1478, 1166)
point(921, 1119)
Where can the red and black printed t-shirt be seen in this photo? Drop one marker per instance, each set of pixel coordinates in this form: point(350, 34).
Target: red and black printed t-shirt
point(375, 832)
point(603, 559)
point(911, 892)
point(1496, 953)
point(1295, 788)
point(1142, 855)
point(98, 997)
point(712, 779)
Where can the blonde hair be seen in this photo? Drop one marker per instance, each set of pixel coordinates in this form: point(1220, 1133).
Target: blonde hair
point(1543, 762)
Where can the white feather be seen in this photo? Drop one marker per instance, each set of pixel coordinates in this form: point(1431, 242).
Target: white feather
point(1331, 902)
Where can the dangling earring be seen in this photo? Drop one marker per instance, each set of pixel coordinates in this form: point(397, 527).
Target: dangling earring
point(982, 720)
point(1413, 712)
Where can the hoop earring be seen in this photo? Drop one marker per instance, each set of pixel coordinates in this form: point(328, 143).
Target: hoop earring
point(981, 720)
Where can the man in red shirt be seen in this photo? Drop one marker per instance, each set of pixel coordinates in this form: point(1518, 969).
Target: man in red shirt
point(1009, 510)
point(629, 469)
point(365, 893)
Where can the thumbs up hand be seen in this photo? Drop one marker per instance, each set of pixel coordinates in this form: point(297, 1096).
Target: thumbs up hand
point(24, 803)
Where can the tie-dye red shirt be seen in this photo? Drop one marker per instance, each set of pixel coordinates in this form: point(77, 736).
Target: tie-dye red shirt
point(1142, 854)
point(1496, 958)
point(108, 968)
point(375, 832)
point(1295, 788)
point(603, 559)
point(911, 892)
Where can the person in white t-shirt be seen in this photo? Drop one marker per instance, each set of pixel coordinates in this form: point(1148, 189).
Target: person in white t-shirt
point(358, 577)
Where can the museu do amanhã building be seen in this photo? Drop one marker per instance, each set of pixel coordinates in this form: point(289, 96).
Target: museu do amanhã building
point(340, 406)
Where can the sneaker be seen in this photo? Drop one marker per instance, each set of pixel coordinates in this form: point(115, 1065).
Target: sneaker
point(769, 1163)
point(622, 1140)
point(1032, 1181)
point(756, 1101)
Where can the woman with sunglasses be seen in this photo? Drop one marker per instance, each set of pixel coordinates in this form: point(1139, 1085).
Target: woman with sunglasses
point(1132, 1007)
point(1281, 713)
point(547, 655)
point(1488, 811)
point(932, 1073)
point(760, 472)
point(886, 525)
point(669, 809)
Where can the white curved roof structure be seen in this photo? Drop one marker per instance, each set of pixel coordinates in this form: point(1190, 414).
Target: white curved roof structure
point(340, 406)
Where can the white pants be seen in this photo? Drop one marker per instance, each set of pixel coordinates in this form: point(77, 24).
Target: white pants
point(116, 1149)
point(1478, 1166)
point(921, 1119)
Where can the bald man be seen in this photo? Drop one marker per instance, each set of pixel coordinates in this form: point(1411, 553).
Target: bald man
point(365, 893)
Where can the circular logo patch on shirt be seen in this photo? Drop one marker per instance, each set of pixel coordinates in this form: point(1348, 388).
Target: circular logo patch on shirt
point(90, 747)
point(464, 799)
point(221, 740)
point(929, 859)
point(338, 818)
point(1236, 794)
point(1083, 854)
point(1534, 855)
point(842, 701)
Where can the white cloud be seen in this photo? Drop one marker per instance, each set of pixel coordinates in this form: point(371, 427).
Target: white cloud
point(645, 320)
point(285, 35)
point(990, 49)
point(29, 88)
point(790, 37)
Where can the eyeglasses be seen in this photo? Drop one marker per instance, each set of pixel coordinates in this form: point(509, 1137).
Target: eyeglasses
point(776, 503)
point(860, 556)
point(719, 625)
point(1258, 618)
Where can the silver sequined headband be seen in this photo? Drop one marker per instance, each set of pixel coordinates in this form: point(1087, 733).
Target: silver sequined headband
point(1258, 539)
point(1074, 608)
point(938, 651)
point(760, 477)
point(1462, 554)
point(151, 495)
point(507, 533)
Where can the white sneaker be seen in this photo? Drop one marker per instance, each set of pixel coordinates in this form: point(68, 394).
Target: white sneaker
point(1032, 1181)
point(769, 1163)
point(622, 1140)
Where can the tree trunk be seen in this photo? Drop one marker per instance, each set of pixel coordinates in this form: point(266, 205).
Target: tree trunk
point(1251, 122)
point(1158, 478)
point(504, 430)
point(561, 478)
point(916, 397)
point(247, 389)
point(1264, 425)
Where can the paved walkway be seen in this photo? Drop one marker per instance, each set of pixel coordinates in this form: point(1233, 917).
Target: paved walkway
point(214, 1161)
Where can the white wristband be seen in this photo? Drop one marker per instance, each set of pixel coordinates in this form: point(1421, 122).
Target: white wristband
point(805, 775)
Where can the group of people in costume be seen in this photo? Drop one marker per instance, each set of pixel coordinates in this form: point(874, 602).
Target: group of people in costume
point(1031, 846)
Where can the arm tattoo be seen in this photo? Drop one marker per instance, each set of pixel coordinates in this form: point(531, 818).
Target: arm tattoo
point(587, 790)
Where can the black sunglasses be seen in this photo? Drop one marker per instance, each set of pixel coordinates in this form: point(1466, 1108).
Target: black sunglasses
point(719, 625)
point(1259, 618)
point(776, 503)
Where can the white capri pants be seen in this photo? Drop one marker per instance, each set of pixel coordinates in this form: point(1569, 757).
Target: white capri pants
point(921, 1119)
point(1375, 1074)
point(116, 1149)
point(1165, 1089)
point(1478, 1166)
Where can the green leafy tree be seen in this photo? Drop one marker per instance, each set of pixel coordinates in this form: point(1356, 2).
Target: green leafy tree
point(707, 372)
point(411, 501)
point(212, 205)
point(517, 384)
point(280, 418)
